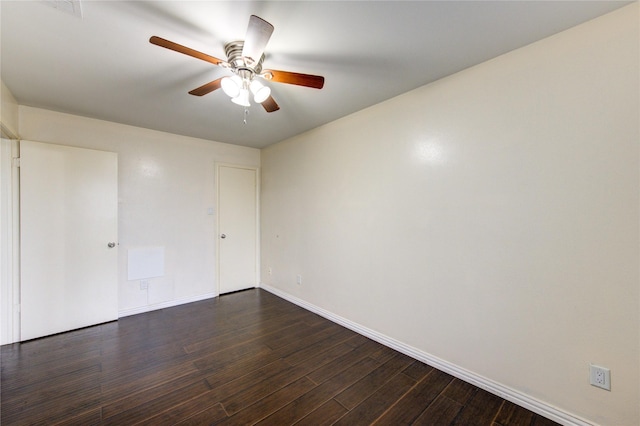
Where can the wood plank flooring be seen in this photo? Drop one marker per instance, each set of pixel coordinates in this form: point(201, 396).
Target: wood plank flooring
point(240, 359)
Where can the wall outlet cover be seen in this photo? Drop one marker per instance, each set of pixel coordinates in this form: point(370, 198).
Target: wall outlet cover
point(600, 377)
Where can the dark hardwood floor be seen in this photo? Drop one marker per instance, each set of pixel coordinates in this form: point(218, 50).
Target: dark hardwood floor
point(240, 359)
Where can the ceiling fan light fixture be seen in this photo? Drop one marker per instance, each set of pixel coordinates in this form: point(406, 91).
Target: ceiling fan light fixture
point(260, 92)
point(242, 99)
point(232, 86)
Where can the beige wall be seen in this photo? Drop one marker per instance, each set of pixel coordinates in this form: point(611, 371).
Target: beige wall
point(489, 219)
point(8, 112)
point(166, 187)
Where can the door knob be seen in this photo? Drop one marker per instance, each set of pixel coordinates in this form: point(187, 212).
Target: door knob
point(111, 245)
point(223, 235)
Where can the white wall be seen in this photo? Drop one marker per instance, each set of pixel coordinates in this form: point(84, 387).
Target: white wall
point(166, 186)
point(489, 219)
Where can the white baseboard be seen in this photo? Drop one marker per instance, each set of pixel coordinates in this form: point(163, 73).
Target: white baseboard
point(168, 304)
point(495, 388)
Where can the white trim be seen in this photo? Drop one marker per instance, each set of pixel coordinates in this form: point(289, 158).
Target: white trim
point(168, 304)
point(15, 192)
point(10, 246)
point(6, 242)
point(489, 385)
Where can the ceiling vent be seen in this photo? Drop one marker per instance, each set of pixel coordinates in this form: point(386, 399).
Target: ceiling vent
point(72, 7)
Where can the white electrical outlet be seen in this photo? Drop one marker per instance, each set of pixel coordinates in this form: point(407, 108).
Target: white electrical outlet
point(144, 284)
point(299, 279)
point(600, 377)
point(269, 270)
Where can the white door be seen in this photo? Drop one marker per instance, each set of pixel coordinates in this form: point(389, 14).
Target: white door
point(237, 228)
point(68, 232)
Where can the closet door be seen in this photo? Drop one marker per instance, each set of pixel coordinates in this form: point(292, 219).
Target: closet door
point(238, 228)
point(68, 231)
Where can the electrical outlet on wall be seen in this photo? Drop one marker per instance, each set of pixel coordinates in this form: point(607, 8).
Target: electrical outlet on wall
point(144, 284)
point(299, 279)
point(600, 377)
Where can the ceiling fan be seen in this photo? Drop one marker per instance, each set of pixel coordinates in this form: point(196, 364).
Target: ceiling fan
point(244, 60)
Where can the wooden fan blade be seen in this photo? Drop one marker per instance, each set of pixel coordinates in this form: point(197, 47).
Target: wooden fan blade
point(270, 104)
point(307, 80)
point(258, 34)
point(207, 88)
point(158, 41)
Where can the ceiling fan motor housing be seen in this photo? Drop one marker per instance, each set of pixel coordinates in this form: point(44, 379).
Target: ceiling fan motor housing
point(238, 63)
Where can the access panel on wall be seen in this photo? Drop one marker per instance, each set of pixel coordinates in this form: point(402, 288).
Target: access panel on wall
point(68, 231)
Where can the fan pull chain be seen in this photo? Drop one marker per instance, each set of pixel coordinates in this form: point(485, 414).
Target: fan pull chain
point(246, 114)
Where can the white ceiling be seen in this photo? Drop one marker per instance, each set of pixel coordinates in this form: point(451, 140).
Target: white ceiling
point(102, 65)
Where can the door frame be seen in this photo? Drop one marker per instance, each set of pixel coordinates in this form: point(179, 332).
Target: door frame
point(10, 247)
point(256, 169)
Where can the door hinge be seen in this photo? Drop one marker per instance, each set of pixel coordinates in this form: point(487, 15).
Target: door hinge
point(16, 161)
